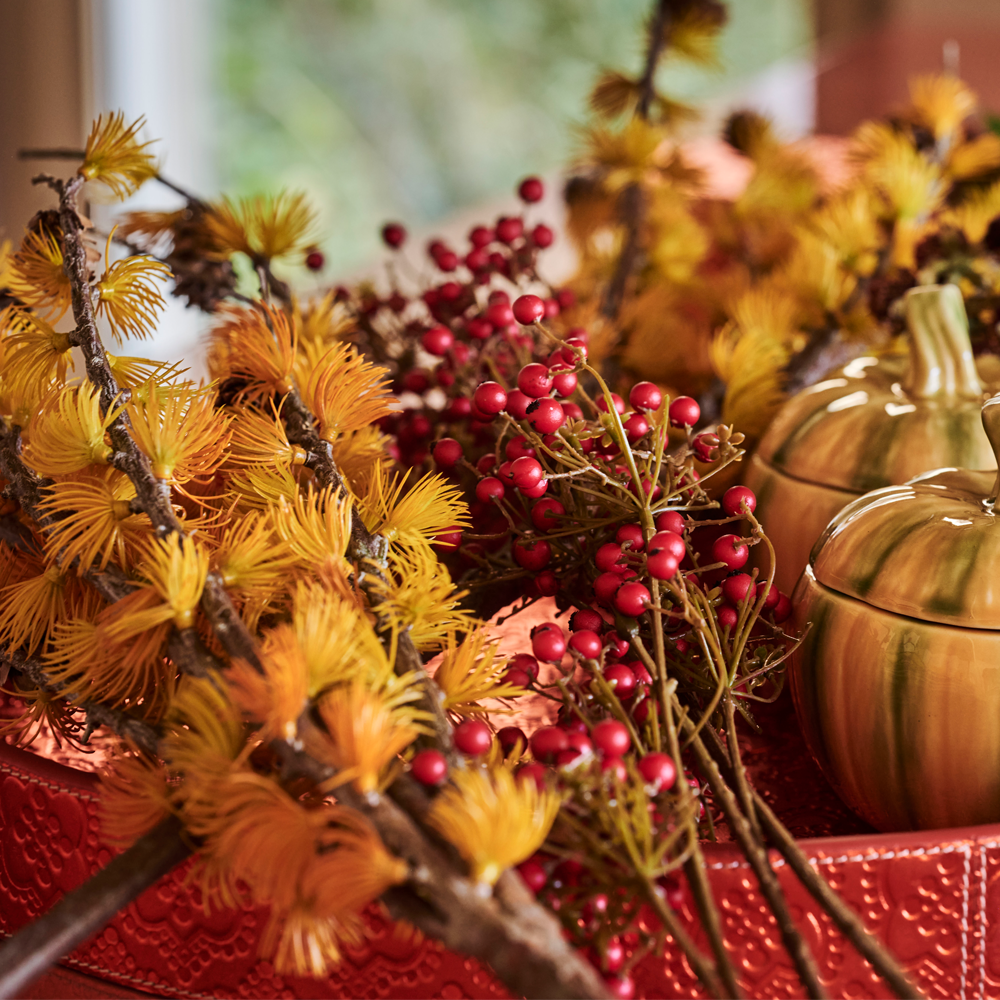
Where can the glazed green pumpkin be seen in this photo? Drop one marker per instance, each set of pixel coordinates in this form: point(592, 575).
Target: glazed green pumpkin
point(897, 681)
point(874, 423)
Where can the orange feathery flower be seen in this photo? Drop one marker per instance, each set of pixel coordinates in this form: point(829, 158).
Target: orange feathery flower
point(262, 487)
point(257, 346)
point(183, 435)
point(321, 323)
point(259, 439)
point(134, 373)
point(34, 353)
point(471, 671)
point(98, 524)
point(69, 432)
point(494, 820)
point(366, 734)
point(30, 608)
point(115, 157)
point(36, 274)
point(250, 557)
point(128, 296)
point(134, 797)
point(316, 526)
point(345, 392)
point(262, 227)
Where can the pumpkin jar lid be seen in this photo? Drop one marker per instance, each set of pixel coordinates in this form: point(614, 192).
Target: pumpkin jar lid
point(929, 549)
point(879, 421)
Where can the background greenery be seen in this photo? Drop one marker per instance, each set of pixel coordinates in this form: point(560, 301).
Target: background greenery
point(412, 109)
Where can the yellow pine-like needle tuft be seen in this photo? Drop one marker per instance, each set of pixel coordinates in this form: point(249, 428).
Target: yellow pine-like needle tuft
point(36, 275)
point(115, 156)
point(34, 354)
point(134, 797)
point(493, 820)
point(415, 516)
point(471, 671)
point(259, 438)
point(263, 228)
point(316, 526)
point(255, 346)
point(127, 294)
point(941, 102)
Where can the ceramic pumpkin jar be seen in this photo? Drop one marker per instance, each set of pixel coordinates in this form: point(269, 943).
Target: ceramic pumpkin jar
point(876, 422)
point(897, 681)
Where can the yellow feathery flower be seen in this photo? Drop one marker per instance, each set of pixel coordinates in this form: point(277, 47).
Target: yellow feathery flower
point(177, 567)
point(680, 242)
point(183, 435)
point(974, 215)
point(260, 439)
point(68, 434)
point(34, 353)
point(971, 159)
point(345, 392)
point(151, 227)
point(36, 276)
point(256, 346)
point(263, 486)
point(471, 671)
point(493, 820)
point(250, 558)
point(420, 598)
point(262, 227)
point(134, 797)
point(115, 157)
point(356, 455)
point(30, 608)
point(909, 181)
point(321, 323)
point(428, 508)
point(43, 712)
point(366, 733)
point(316, 526)
point(941, 102)
point(97, 523)
point(87, 661)
point(850, 224)
point(128, 296)
point(134, 373)
point(628, 155)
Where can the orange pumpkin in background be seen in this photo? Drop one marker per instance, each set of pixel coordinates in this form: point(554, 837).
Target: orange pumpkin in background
point(878, 421)
point(897, 681)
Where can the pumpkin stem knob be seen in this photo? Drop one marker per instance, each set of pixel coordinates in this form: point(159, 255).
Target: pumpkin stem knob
point(941, 362)
point(991, 424)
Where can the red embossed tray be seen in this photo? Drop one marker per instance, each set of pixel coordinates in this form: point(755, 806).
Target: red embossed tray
point(932, 897)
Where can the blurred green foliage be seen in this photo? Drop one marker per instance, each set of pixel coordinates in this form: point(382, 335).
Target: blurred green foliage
point(411, 109)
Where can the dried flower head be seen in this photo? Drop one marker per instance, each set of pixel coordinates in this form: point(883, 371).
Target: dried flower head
point(115, 156)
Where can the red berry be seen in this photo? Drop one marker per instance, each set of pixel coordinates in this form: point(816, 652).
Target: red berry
point(566, 757)
point(533, 875)
point(545, 513)
point(631, 535)
point(531, 189)
point(504, 473)
point(473, 737)
point(704, 445)
point(480, 236)
point(731, 551)
point(616, 767)
point(447, 452)
point(526, 472)
point(585, 619)
point(684, 412)
point(563, 382)
point(547, 583)
point(658, 769)
point(727, 616)
point(573, 412)
point(500, 315)
point(509, 736)
point(536, 491)
point(315, 260)
point(735, 588)
point(509, 229)
point(783, 609)
point(543, 237)
point(619, 403)
point(518, 447)
point(477, 259)
point(621, 678)
point(525, 662)
point(636, 427)
point(517, 404)
point(606, 586)
point(548, 741)
point(447, 260)
point(670, 520)
point(586, 643)
point(662, 565)
point(579, 741)
point(642, 675)
point(620, 987)
point(617, 646)
point(528, 309)
point(429, 767)
point(449, 539)
point(532, 553)
point(534, 380)
point(393, 235)
point(773, 595)
point(607, 557)
point(614, 955)
point(631, 599)
point(545, 415)
point(517, 678)
point(489, 489)
point(611, 737)
point(489, 398)
point(549, 645)
point(479, 328)
point(535, 773)
point(734, 498)
point(459, 408)
point(668, 541)
point(416, 380)
point(645, 396)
